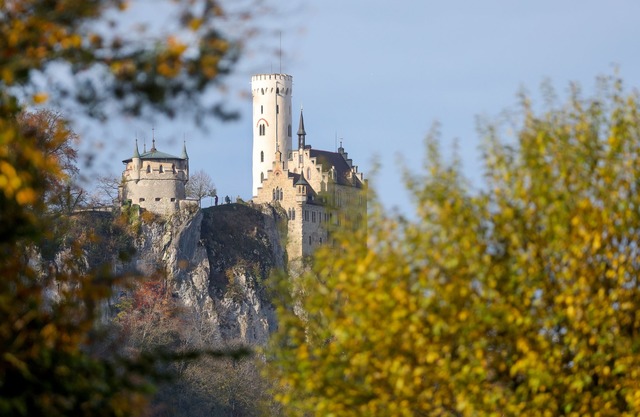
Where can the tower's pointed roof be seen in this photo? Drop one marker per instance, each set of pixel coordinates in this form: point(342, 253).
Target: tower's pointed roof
point(301, 181)
point(136, 153)
point(301, 130)
point(184, 150)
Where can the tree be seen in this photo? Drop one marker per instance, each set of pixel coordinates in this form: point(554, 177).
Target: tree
point(106, 191)
point(200, 185)
point(151, 318)
point(48, 344)
point(55, 139)
point(518, 298)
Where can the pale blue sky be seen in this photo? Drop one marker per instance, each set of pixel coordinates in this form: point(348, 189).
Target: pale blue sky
point(379, 73)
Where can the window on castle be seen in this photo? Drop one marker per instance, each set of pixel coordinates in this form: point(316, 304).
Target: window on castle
point(262, 129)
point(157, 198)
point(320, 241)
point(173, 168)
point(293, 214)
point(306, 215)
point(161, 168)
point(141, 199)
point(273, 194)
point(262, 91)
point(308, 173)
point(313, 217)
point(173, 199)
point(261, 176)
point(289, 130)
point(277, 109)
point(309, 240)
point(148, 168)
point(261, 109)
point(261, 156)
point(281, 194)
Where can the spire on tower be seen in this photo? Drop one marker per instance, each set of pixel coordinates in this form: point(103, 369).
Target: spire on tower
point(301, 132)
point(153, 140)
point(184, 150)
point(136, 154)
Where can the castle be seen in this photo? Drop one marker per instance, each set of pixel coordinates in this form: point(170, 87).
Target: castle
point(318, 190)
point(156, 180)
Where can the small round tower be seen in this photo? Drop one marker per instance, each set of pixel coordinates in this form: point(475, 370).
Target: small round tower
point(271, 122)
point(155, 180)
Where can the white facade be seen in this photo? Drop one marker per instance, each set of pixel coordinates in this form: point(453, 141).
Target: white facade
point(272, 128)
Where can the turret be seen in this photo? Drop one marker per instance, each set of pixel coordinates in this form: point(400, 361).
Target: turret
point(271, 122)
point(136, 164)
point(185, 156)
point(301, 133)
point(301, 189)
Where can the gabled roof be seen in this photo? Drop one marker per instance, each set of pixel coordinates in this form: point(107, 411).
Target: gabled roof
point(336, 160)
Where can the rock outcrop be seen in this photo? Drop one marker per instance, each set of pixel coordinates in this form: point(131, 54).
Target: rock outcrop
point(216, 260)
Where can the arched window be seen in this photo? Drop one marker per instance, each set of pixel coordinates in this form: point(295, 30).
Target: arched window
point(261, 156)
point(148, 168)
point(281, 194)
point(161, 169)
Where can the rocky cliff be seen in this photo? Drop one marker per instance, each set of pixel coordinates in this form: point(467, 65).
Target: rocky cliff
point(216, 260)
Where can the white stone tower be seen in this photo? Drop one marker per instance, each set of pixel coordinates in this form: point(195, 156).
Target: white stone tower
point(271, 122)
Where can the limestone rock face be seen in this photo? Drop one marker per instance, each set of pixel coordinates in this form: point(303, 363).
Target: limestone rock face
point(217, 260)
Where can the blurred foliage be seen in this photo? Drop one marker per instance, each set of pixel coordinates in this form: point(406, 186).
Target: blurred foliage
point(102, 57)
point(53, 359)
point(520, 298)
point(50, 300)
